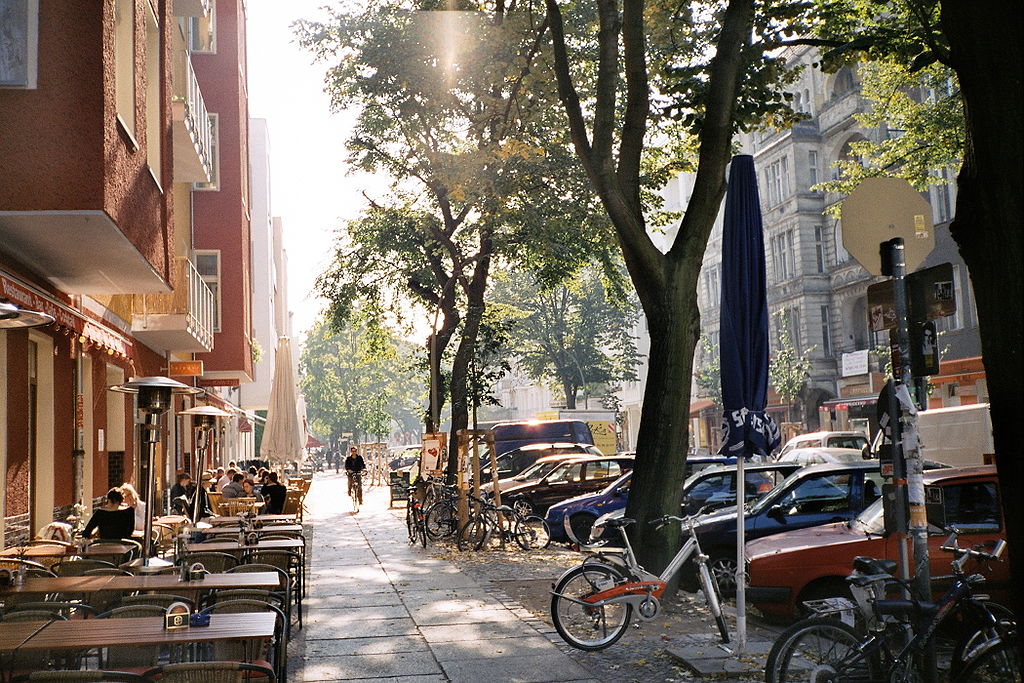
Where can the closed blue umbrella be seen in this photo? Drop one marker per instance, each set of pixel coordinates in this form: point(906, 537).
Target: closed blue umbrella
point(743, 343)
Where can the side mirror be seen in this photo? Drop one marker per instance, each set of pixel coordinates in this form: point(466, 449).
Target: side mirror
point(778, 513)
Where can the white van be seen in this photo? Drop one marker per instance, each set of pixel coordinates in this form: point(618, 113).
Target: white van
point(856, 440)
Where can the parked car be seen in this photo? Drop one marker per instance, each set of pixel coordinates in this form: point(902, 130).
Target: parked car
point(856, 440)
point(816, 455)
point(512, 435)
point(518, 459)
point(534, 472)
point(570, 478)
point(807, 564)
point(713, 486)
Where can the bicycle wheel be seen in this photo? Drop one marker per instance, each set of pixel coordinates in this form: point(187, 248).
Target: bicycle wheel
point(583, 626)
point(997, 660)
point(532, 533)
point(973, 637)
point(819, 650)
point(473, 534)
point(441, 520)
point(421, 527)
point(410, 520)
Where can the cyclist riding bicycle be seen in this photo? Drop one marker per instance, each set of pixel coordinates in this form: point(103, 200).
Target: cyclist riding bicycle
point(353, 465)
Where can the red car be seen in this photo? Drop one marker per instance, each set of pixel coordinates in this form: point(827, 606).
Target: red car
point(812, 563)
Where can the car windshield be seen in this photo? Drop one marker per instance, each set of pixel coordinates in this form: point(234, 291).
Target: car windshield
point(537, 470)
point(848, 441)
point(870, 521)
point(622, 482)
point(769, 499)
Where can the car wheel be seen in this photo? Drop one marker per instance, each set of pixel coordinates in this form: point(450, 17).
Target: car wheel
point(523, 506)
point(581, 524)
point(723, 571)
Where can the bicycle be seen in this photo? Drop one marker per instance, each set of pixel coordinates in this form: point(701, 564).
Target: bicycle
point(355, 489)
point(414, 519)
point(528, 532)
point(893, 632)
point(997, 660)
point(442, 516)
point(591, 604)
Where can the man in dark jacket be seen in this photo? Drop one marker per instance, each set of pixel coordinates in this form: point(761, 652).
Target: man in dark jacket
point(353, 464)
point(274, 494)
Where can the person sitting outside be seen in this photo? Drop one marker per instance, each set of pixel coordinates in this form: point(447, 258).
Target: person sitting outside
point(183, 498)
point(113, 519)
point(274, 494)
point(215, 485)
point(226, 478)
point(234, 489)
point(249, 491)
point(131, 499)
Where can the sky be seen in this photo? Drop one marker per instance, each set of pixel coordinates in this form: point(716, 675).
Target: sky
point(310, 188)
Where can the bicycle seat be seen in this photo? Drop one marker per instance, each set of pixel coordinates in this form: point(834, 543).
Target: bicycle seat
point(619, 522)
point(871, 565)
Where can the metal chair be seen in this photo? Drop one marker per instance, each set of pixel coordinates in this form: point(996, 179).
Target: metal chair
point(135, 658)
point(163, 600)
point(79, 567)
point(291, 563)
point(252, 650)
point(66, 610)
point(285, 594)
point(213, 561)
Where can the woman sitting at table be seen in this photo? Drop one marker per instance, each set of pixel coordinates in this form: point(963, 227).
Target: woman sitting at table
point(274, 494)
point(131, 499)
point(113, 519)
point(249, 491)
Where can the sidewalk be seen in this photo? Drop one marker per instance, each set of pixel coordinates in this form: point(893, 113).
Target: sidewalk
point(379, 609)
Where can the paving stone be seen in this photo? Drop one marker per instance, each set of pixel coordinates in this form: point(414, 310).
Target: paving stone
point(497, 648)
point(516, 669)
point(341, 628)
point(351, 667)
point(379, 645)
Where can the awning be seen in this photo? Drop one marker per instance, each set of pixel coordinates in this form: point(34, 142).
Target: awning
point(851, 401)
point(313, 442)
point(698, 406)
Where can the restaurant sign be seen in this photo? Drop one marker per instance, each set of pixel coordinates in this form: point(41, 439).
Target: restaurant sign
point(185, 368)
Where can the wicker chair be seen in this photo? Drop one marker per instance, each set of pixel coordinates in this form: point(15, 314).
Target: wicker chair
point(253, 649)
point(65, 610)
point(36, 659)
point(291, 563)
point(135, 658)
point(214, 562)
point(211, 672)
point(285, 594)
point(163, 600)
point(79, 567)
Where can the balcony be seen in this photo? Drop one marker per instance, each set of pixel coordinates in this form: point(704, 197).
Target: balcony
point(181, 321)
point(193, 135)
point(191, 8)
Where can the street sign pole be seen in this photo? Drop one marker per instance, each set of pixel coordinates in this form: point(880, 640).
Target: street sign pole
point(908, 468)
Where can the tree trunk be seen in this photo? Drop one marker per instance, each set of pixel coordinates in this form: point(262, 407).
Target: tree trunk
point(460, 379)
point(985, 49)
point(442, 338)
point(569, 388)
point(664, 429)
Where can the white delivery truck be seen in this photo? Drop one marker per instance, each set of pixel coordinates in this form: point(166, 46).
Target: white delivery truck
point(958, 436)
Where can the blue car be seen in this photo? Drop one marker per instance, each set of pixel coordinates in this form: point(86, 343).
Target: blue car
point(583, 510)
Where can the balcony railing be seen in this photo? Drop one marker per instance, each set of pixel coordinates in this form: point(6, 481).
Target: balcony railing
point(193, 135)
point(182, 320)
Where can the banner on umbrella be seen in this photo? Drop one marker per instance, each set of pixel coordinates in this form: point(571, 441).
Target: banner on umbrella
point(748, 432)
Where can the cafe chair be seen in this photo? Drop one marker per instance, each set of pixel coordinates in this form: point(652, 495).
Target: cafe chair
point(163, 538)
point(79, 567)
point(277, 599)
point(285, 593)
point(117, 555)
point(31, 567)
point(213, 562)
point(134, 658)
point(211, 672)
point(82, 676)
point(49, 541)
point(255, 650)
point(25, 661)
point(163, 600)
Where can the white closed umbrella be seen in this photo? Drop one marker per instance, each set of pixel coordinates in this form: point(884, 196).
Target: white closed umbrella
point(283, 438)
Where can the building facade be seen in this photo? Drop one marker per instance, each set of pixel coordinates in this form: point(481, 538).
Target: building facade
point(107, 142)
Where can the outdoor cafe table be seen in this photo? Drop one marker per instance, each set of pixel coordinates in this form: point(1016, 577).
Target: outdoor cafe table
point(233, 545)
point(225, 530)
point(141, 582)
point(85, 634)
point(49, 554)
point(266, 519)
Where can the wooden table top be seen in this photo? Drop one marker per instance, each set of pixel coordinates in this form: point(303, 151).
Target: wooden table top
point(65, 551)
point(227, 546)
point(225, 530)
point(82, 634)
point(218, 521)
point(152, 582)
point(14, 633)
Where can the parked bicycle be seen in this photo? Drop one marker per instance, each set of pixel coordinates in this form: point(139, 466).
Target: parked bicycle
point(592, 604)
point(493, 524)
point(892, 633)
point(442, 516)
point(415, 522)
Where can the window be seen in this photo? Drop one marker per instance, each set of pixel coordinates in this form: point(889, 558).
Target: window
point(807, 101)
point(603, 469)
point(208, 265)
point(821, 495)
point(812, 168)
point(214, 183)
point(153, 127)
point(787, 321)
point(820, 259)
point(955, 321)
point(942, 203)
point(842, 256)
point(778, 181)
point(972, 505)
point(712, 283)
point(19, 43)
point(783, 257)
point(826, 332)
point(124, 52)
point(202, 31)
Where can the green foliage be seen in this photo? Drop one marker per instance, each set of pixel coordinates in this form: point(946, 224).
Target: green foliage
point(354, 382)
point(922, 114)
point(574, 334)
point(789, 368)
point(708, 373)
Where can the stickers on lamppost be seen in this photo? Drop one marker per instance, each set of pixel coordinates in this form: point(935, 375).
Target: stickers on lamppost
point(435, 453)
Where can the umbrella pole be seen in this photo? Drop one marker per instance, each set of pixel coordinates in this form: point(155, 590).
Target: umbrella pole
point(741, 574)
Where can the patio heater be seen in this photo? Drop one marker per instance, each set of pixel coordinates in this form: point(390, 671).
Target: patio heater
point(204, 422)
point(12, 316)
point(153, 399)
